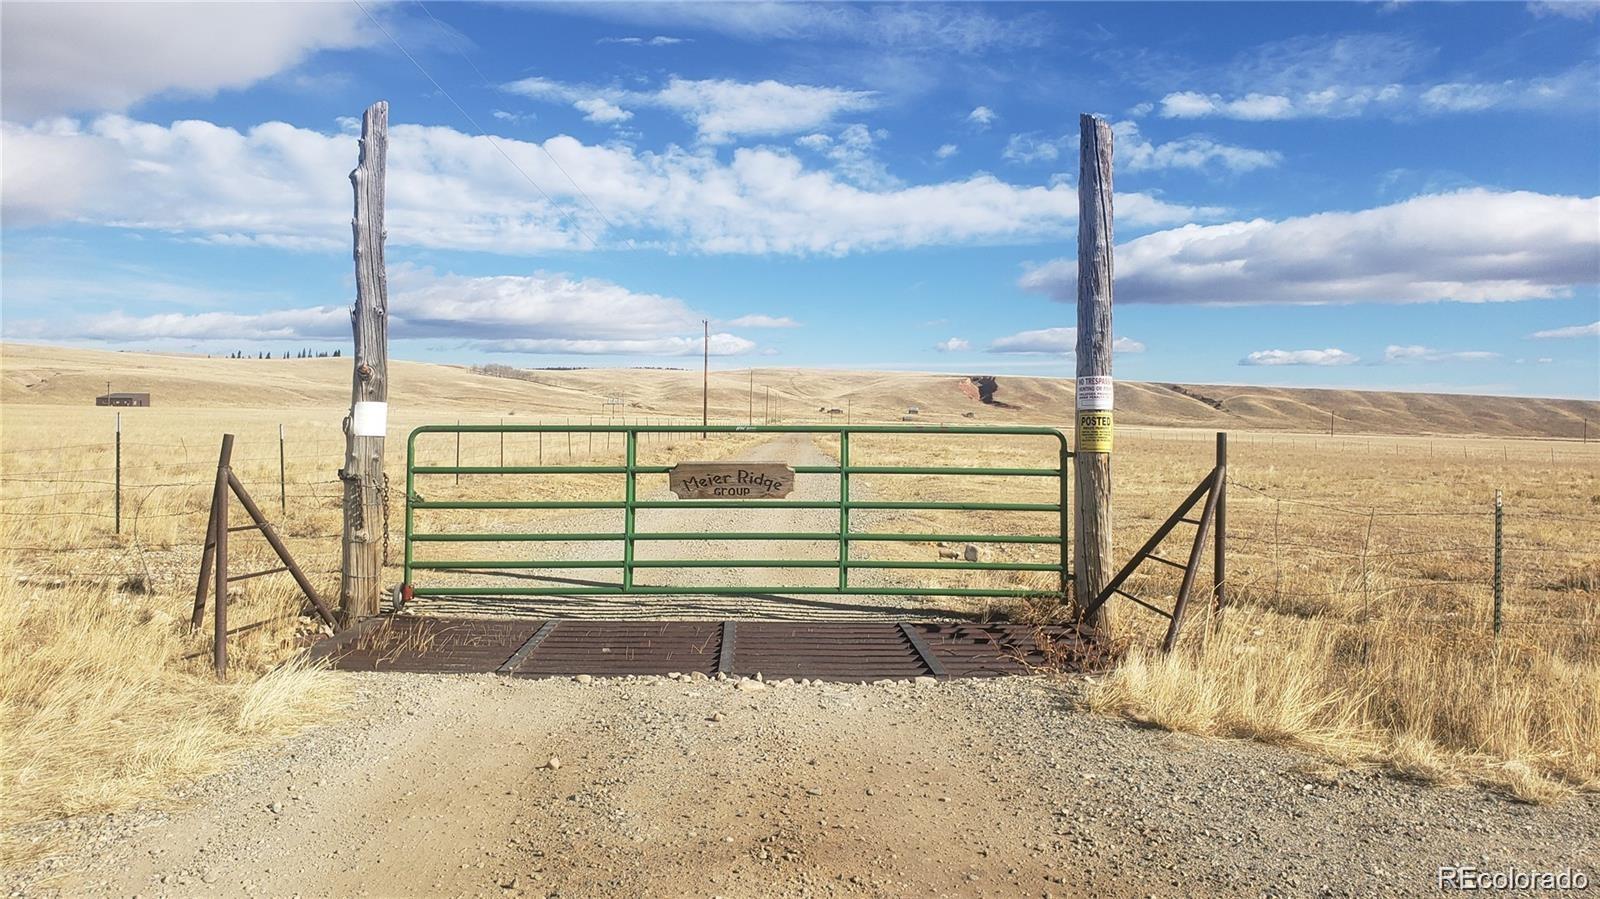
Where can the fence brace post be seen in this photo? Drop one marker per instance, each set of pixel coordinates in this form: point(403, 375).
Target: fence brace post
point(1219, 540)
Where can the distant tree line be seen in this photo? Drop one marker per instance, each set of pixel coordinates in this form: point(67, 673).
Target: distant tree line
point(267, 354)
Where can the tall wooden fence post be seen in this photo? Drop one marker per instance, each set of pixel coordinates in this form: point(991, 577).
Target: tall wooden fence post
point(369, 392)
point(1094, 565)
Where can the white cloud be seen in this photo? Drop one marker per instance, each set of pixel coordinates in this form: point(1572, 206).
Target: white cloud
point(1581, 10)
point(1054, 341)
point(763, 321)
point(1137, 153)
point(1573, 89)
point(602, 112)
point(542, 312)
point(982, 117)
point(946, 151)
point(953, 345)
point(70, 57)
point(659, 40)
point(1330, 356)
point(854, 155)
point(720, 110)
point(1418, 353)
point(1469, 246)
point(925, 27)
point(1590, 330)
point(279, 185)
point(1251, 107)
point(719, 345)
point(1031, 147)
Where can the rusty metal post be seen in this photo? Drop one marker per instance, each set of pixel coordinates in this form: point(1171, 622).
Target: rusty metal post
point(1499, 585)
point(219, 606)
point(283, 496)
point(1219, 542)
point(208, 552)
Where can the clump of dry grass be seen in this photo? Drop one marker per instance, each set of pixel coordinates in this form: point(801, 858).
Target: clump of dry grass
point(100, 709)
point(1360, 627)
point(1436, 707)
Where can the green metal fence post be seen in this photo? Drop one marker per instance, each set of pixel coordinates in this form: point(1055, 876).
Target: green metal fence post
point(844, 509)
point(411, 491)
point(627, 512)
point(1066, 515)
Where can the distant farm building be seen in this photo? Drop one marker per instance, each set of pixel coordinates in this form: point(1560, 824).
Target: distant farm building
point(122, 399)
point(835, 411)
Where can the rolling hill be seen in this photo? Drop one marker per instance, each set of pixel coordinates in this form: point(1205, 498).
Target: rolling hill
point(43, 375)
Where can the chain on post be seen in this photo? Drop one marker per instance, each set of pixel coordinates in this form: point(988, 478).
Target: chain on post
point(383, 492)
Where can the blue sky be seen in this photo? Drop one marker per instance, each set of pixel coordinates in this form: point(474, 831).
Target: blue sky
point(1393, 196)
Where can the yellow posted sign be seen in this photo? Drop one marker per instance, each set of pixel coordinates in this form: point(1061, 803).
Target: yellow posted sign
point(1094, 432)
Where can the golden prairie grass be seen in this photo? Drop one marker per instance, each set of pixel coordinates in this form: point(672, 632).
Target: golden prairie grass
point(107, 699)
point(1360, 623)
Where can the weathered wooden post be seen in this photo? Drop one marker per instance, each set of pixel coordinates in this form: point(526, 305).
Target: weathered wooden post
point(1092, 468)
point(369, 390)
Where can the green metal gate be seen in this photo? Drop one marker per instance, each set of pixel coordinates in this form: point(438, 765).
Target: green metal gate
point(629, 535)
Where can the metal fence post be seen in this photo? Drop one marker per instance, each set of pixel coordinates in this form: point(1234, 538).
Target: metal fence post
point(1499, 588)
point(1219, 539)
point(627, 512)
point(118, 513)
point(844, 509)
point(283, 496)
point(1066, 515)
point(219, 608)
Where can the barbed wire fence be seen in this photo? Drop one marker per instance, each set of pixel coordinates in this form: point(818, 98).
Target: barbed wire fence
point(1381, 549)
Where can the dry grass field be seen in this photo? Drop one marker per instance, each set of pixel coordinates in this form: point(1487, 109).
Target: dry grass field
point(1360, 564)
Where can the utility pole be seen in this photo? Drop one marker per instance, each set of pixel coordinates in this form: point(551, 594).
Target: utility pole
point(705, 377)
point(1330, 424)
point(361, 565)
point(1094, 385)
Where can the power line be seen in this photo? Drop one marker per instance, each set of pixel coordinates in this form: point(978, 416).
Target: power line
point(548, 155)
point(474, 122)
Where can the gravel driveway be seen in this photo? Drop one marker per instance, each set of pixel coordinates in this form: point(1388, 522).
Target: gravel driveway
point(443, 786)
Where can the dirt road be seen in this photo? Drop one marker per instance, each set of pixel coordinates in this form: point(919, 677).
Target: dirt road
point(441, 786)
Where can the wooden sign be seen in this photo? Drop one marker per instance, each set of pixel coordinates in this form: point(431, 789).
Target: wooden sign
point(731, 480)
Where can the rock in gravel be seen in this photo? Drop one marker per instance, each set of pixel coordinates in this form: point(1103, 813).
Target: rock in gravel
point(584, 679)
point(715, 716)
point(926, 681)
point(275, 807)
point(970, 553)
point(750, 686)
point(554, 764)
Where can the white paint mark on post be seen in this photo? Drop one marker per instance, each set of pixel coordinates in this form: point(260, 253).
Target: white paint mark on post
point(370, 419)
